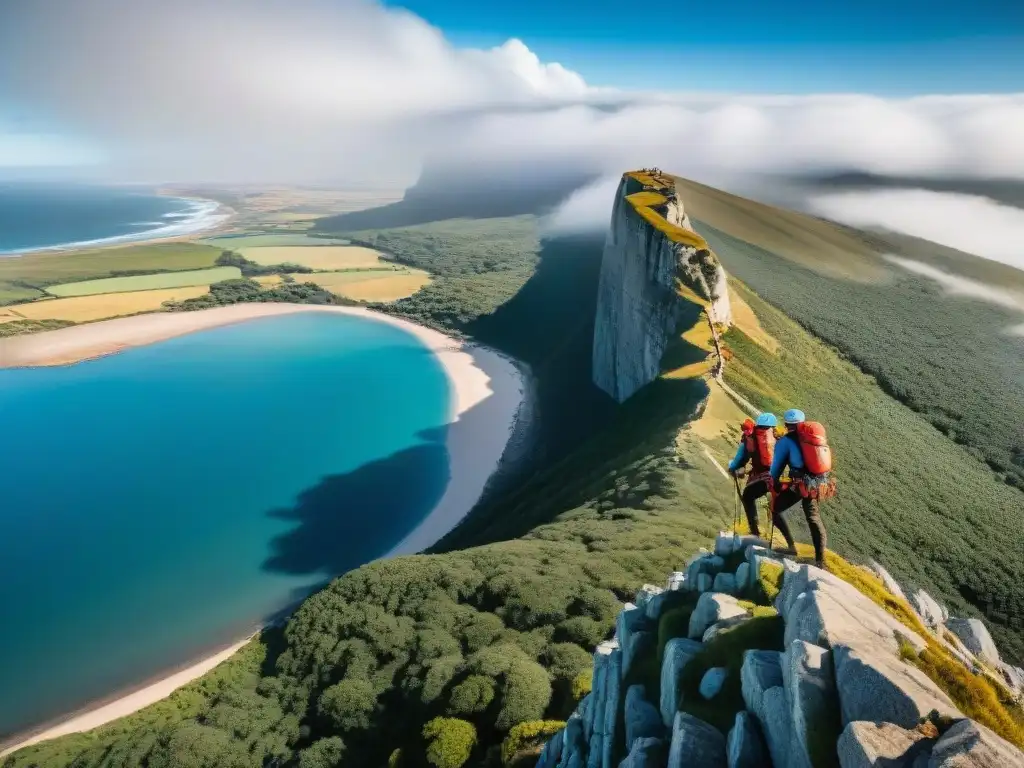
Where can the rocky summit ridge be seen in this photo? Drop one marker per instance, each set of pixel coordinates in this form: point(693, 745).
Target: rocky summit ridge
point(746, 659)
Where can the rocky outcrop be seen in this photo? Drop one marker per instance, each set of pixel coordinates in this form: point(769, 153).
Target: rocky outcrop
point(839, 690)
point(975, 636)
point(653, 266)
point(880, 745)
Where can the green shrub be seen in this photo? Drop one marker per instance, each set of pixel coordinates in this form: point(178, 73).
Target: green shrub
point(471, 696)
point(526, 736)
point(324, 753)
point(450, 742)
point(581, 684)
point(348, 705)
point(769, 582)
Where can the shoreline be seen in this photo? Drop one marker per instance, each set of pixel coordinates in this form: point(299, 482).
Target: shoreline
point(488, 393)
point(207, 222)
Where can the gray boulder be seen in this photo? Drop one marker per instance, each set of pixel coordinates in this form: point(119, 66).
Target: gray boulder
point(880, 745)
point(887, 580)
point(1014, 677)
point(552, 754)
point(631, 619)
point(745, 747)
point(712, 682)
point(656, 606)
point(640, 644)
point(794, 582)
point(775, 726)
point(645, 593)
point(971, 745)
point(695, 744)
point(642, 719)
point(726, 543)
point(822, 609)
point(877, 686)
point(676, 580)
point(696, 567)
point(723, 626)
point(974, 634)
point(678, 653)
point(928, 608)
point(713, 607)
point(573, 742)
point(811, 699)
point(743, 577)
point(761, 671)
point(726, 583)
point(704, 582)
point(645, 753)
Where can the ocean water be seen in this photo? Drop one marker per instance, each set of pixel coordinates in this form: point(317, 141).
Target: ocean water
point(43, 216)
point(162, 501)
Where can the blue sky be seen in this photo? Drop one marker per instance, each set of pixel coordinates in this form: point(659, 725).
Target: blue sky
point(894, 47)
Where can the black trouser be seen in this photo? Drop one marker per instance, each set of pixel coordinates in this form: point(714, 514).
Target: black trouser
point(787, 499)
point(751, 494)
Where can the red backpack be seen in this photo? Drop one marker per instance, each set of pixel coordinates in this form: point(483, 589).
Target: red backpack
point(813, 441)
point(760, 442)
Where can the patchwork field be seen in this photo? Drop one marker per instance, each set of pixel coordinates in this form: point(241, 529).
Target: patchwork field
point(42, 269)
point(369, 285)
point(146, 282)
point(325, 257)
point(82, 309)
point(235, 242)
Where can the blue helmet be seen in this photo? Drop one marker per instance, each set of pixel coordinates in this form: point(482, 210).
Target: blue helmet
point(767, 420)
point(793, 416)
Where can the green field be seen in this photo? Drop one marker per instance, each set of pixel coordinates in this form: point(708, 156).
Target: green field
point(146, 282)
point(234, 242)
point(22, 277)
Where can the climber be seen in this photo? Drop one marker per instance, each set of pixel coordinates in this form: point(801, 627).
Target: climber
point(802, 486)
point(756, 446)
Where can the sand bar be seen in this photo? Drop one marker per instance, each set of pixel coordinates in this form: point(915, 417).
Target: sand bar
point(487, 394)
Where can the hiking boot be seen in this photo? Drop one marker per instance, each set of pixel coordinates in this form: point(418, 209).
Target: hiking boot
point(820, 564)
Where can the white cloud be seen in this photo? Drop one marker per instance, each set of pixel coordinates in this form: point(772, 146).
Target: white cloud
point(588, 209)
point(955, 285)
point(350, 90)
point(969, 223)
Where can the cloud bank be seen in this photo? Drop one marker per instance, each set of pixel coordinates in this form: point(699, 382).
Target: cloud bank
point(347, 90)
point(969, 223)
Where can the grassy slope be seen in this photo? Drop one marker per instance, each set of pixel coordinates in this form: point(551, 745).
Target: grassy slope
point(947, 358)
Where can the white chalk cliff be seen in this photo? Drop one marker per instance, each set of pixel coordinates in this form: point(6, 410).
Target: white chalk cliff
point(652, 257)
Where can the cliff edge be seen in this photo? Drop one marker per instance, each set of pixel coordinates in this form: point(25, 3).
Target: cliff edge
point(653, 270)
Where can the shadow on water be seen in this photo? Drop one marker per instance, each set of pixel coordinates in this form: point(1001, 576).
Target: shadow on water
point(349, 519)
point(549, 324)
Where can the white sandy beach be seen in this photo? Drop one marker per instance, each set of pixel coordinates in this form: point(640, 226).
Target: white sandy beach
point(487, 392)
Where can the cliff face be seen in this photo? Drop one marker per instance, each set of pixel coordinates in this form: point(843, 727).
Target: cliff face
point(653, 265)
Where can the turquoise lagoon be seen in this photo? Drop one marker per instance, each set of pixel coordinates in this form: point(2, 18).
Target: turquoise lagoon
point(159, 502)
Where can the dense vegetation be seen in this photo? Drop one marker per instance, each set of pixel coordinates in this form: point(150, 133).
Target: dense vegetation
point(424, 660)
point(243, 290)
point(16, 327)
point(947, 358)
point(250, 268)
